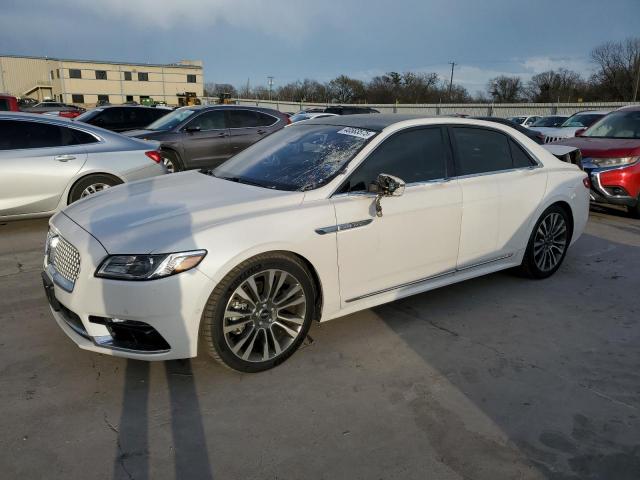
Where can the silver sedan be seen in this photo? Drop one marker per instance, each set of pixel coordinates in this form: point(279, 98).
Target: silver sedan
point(47, 163)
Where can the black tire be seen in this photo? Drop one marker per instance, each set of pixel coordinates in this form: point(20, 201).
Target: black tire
point(172, 161)
point(81, 185)
point(635, 211)
point(213, 318)
point(530, 267)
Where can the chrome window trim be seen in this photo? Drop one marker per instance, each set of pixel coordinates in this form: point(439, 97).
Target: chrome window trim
point(426, 279)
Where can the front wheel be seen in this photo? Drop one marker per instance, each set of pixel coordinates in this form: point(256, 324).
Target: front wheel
point(260, 313)
point(548, 243)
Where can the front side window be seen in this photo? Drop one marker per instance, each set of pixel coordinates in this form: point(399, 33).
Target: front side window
point(75, 73)
point(481, 151)
point(143, 77)
point(101, 74)
point(214, 120)
point(616, 125)
point(416, 155)
point(172, 120)
point(16, 134)
point(301, 157)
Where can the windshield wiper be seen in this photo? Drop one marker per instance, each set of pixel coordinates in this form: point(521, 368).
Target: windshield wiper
point(242, 180)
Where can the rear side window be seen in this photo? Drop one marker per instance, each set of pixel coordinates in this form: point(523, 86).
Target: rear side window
point(4, 105)
point(110, 118)
point(19, 135)
point(265, 120)
point(416, 155)
point(520, 157)
point(242, 118)
point(481, 151)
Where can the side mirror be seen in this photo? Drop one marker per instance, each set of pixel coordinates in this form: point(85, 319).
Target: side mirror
point(386, 186)
point(192, 128)
point(580, 131)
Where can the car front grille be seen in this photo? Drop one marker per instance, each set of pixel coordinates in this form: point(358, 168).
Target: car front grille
point(553, 139)
point(63, 258)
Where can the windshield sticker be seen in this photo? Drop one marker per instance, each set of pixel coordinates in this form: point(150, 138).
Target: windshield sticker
point(357, 132)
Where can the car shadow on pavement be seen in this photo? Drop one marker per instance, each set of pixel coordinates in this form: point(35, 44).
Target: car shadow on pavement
point(136, 212)
point(553, 390)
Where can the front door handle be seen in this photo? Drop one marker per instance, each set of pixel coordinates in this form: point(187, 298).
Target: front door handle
point(64, 158)
point(223, 134)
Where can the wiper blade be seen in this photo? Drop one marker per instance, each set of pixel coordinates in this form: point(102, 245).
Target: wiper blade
point(242, 180)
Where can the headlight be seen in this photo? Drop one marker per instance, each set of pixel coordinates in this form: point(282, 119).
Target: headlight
point(148, 267)
point(614, 162)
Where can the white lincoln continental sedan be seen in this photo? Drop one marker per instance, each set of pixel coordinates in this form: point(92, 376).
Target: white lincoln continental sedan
point(321, 219)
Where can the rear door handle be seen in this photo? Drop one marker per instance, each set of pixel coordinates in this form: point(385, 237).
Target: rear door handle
point(64, 158)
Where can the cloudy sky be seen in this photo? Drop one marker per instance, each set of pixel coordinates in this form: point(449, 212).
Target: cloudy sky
point(296, 39)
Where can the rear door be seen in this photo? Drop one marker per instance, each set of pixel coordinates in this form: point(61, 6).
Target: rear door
point(205, 140)
point(500, 191)
point(246, 127)
point(37, 162)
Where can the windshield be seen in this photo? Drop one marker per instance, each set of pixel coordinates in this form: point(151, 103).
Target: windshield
point(301, 157)
point(582, 120)
point(171, 120)
point(549, 122)
point(616, 125)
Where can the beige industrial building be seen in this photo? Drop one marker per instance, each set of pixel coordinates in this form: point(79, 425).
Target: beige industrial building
point(85, 82)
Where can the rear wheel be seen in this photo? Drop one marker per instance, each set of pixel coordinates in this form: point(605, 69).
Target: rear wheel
point(548, 243)
point(260, 313)
point(92, 184)
point(172, 161)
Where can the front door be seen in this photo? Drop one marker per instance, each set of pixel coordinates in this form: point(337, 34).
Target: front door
point(417, 235)
point(206, 140)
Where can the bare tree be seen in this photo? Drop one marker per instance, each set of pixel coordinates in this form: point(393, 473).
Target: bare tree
point(618, 66)
point(344, 89)
point(504, 89)
point(556, 85)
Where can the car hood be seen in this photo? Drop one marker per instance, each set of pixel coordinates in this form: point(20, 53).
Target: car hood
point(604, 147)
point(564, 132)
point(155, 214)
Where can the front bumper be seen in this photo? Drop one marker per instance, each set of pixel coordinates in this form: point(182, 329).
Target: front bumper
point(614, 185)
point(146, 320)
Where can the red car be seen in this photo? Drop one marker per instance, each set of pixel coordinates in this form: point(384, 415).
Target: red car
point(8, 103)
point(611, 156)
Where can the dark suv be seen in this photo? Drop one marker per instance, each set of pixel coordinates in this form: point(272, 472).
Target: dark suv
point(122, 118)
point(202, 136)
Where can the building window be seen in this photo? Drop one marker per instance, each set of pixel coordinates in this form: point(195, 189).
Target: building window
point(101, 74)
point(103, 98)
point(127, 75)
point(57, 73)
point(143, 77)
point(51, 75)
point(75, 73)
point(191, 79)
point(77, 98)
point(129, 98)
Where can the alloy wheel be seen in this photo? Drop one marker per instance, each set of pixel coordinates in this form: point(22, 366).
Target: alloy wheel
point(94, 188)
point(550, 242)
point(168, 164)
point(264, 315)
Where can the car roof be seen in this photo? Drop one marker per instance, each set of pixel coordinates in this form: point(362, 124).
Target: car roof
point(629, 108)
point(367, 121)
point(232, 107)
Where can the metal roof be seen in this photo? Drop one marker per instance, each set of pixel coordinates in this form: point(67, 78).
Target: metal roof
point(140, 64)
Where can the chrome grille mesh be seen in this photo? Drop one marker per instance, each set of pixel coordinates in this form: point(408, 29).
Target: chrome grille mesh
point(64, 258)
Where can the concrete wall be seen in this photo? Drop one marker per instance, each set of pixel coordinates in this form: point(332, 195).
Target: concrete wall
point(494, 110)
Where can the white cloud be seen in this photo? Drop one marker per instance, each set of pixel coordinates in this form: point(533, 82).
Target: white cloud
point(543, 63)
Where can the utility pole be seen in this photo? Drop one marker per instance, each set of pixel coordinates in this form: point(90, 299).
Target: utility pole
point(453, 64)
point(270, 86)
point(635, 88)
